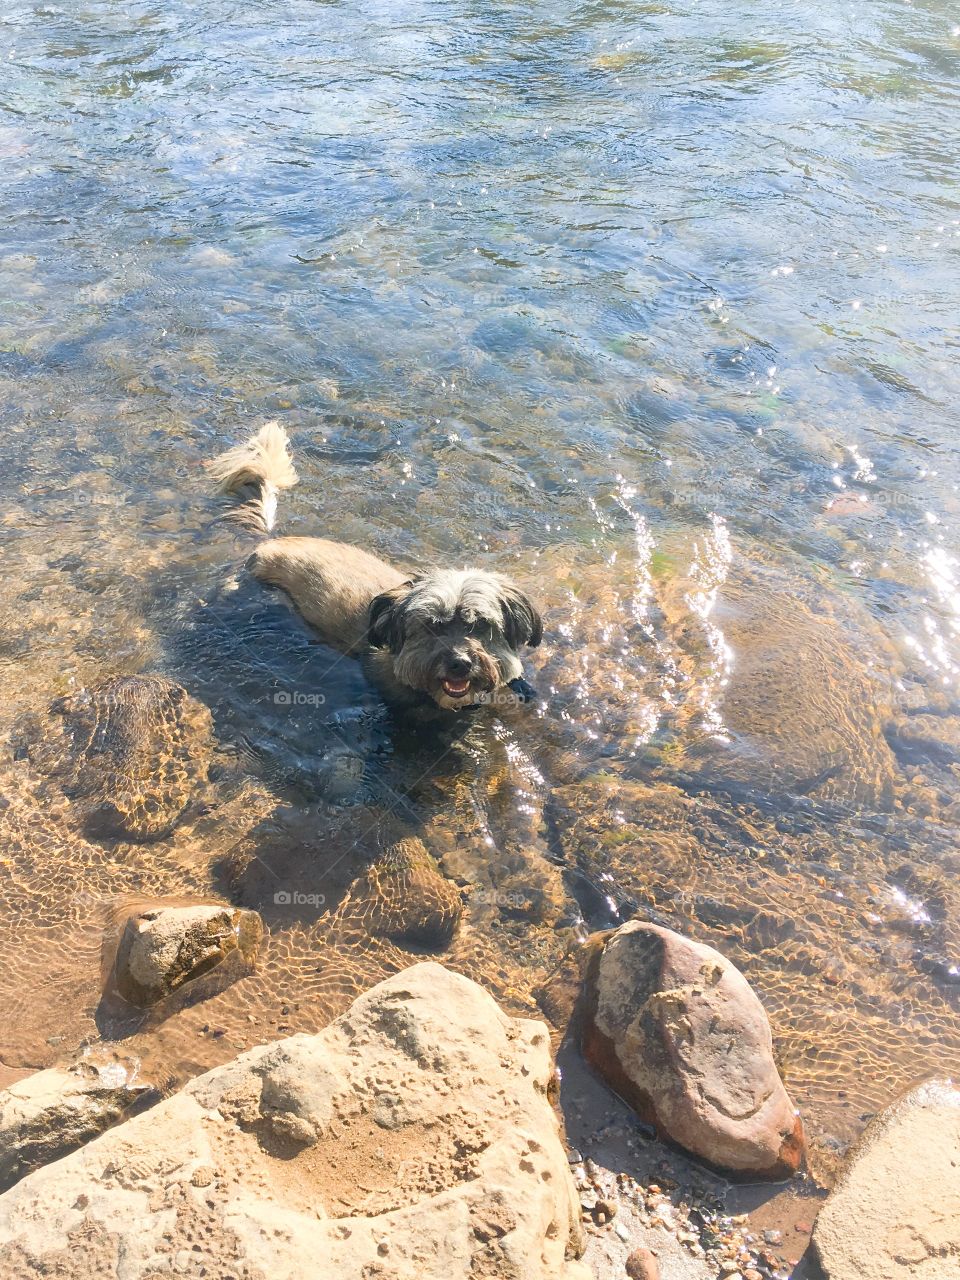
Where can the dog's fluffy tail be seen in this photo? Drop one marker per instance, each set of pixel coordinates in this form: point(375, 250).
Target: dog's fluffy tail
point(254, 473)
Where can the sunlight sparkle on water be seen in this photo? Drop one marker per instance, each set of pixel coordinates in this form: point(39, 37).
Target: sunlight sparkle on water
point(708, 571)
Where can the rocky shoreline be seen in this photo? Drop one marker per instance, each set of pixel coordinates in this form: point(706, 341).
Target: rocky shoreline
point(425, 1133)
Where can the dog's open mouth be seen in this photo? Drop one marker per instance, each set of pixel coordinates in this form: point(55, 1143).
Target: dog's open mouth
point(455, 688)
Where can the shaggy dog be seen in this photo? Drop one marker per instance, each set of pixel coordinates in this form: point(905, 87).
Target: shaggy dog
point(444, 640)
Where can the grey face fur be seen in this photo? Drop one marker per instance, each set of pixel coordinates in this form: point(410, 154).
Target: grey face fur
point(455, 635)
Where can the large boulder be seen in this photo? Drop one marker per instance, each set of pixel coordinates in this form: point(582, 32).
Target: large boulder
point(165, 947)
point(50, 1113)
point(896, 1206)
point(411, 1139)
point(677, 1031)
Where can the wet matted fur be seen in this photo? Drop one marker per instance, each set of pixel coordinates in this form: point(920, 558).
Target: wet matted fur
point(445, 639)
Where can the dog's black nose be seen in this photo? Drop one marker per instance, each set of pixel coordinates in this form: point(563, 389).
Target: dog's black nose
point(458, 666)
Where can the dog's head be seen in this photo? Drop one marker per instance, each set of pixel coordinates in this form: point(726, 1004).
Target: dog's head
point(455, 634)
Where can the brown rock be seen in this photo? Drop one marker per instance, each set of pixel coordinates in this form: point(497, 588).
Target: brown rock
point(642, 1265)
point(677, 1031)
point(131, 753)
point(604, 1211)
point(405, 897)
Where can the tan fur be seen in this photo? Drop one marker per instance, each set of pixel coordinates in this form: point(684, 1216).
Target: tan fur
point(256, 471)
point(330, 583)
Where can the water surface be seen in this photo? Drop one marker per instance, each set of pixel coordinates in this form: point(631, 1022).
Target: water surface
point(652, 305)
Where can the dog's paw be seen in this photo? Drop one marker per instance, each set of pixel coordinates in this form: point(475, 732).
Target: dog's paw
point(525, 692)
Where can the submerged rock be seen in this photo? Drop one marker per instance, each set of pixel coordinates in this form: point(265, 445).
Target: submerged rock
point(791, 681)
point(162, 949)
point(412, 1139)
point(50, 1113)
point(405, 897)
point(897, 1202)
point(130, 753)
point(677, 1031)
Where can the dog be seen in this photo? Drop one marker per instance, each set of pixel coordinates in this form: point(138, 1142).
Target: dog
point(439, 642)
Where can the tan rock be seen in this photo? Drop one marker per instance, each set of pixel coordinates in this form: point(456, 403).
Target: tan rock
point(50, 1113)
point(411, 1139)
point(161, 949)
point(897, 1202)
point(677, 1031)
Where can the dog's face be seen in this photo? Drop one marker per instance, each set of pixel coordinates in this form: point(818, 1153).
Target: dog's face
point(455, 634)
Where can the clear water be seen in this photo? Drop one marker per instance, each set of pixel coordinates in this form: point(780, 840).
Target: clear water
point(613, 296)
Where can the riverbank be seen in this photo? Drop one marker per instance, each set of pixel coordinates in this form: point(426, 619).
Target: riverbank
point(425, 1134)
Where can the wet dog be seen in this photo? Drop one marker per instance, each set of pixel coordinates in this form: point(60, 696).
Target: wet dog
point(440, 641)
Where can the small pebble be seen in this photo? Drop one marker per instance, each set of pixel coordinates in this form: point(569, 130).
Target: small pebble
point(622, 1230)
point(604, 1211)
point(773, 1237)
point(574, 1156)
point(802, 1227)
point(642, 1265)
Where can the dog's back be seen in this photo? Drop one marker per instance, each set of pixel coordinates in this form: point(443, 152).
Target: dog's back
point(331, 584)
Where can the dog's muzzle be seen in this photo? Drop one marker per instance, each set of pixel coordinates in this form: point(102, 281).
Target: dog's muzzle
point(457, 680)
point(454, 687)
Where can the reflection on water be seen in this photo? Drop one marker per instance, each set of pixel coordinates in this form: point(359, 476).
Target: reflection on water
point(651, 306)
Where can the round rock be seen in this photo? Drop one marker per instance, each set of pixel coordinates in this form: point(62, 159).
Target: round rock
point(642, 1265)
point(405, 897)
point(677, 1031)
point(130, 753)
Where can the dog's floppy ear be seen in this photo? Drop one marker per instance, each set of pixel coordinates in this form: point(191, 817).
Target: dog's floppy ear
point(522, 623)
point(386, 618)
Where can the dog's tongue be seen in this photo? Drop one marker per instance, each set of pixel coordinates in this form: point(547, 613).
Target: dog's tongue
point(456, 688)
